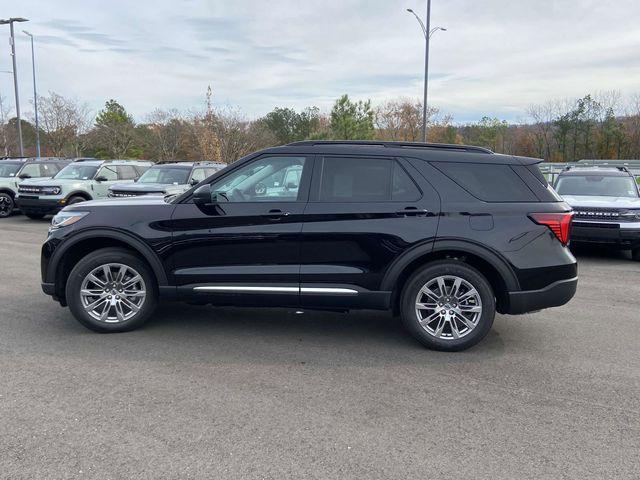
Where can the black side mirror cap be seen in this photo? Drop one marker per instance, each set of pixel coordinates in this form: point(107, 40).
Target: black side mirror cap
point(24, 176)
point(101, 179)
point(202, 195)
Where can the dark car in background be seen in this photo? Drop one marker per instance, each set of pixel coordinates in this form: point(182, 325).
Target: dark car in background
point(167, 179)
point(442, 235)
point(606, 201)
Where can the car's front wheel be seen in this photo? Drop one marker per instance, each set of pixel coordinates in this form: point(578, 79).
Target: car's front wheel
point(448, 305)
point(6, 205)
point(111, 290)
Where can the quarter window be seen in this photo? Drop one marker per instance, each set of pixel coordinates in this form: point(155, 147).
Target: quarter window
point(365, 180)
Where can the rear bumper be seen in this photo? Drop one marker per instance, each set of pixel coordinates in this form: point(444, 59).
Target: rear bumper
point(614, 234)
point(39, 206)
point(554, 295)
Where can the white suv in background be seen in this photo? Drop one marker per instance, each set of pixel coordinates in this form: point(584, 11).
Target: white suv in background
point(77, 182)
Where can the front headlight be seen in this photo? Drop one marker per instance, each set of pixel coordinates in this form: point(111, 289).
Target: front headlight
point(64, 219)
point(51, 190)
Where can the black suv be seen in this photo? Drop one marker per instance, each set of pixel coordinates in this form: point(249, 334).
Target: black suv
point(443, 235)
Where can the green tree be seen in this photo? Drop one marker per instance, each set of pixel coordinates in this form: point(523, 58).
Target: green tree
point(287, 125)
point(352, 120)
point(115, 132)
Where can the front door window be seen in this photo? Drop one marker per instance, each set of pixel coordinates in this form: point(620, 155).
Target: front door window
point(269, 179)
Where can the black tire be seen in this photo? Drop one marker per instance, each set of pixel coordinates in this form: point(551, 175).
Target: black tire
point(34, 216)
point(635, 254)
point(76, 199)
point(427, 274)
point(94, 260)
point(6, 205)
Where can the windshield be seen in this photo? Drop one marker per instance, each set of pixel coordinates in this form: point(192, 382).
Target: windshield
point(77, 172)
point(8, 169)
point(165, 175)
point(595, 185)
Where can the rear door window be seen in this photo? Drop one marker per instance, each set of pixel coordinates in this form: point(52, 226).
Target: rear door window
point(360, 179)
point(488, 182)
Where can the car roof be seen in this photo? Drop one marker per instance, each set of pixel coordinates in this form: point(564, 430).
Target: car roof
point(114, 162)
point(426, 151)
point(185, 165)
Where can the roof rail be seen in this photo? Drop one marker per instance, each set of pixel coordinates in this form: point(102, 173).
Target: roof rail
point(444, 146)
point(620, 168)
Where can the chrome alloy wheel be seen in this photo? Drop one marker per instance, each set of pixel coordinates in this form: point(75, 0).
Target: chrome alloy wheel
point(113, 293)
point(448, 307)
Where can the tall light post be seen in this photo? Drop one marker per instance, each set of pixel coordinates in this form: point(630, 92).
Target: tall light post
point(15, 74)
point(428, 32)
point(35, 94)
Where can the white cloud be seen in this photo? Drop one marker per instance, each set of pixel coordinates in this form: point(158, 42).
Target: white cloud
point(497, 57)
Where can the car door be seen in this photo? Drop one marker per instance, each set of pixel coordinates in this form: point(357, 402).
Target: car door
point(363, 214)
point(106, 176)
point(244, 248)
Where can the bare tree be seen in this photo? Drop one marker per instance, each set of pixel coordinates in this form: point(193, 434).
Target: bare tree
point(166, 134)
point(64, 123)
point(401, 120)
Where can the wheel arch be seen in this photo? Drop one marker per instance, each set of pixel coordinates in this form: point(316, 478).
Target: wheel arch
point(497, 270)
point(69, 254)
point(9, 192)
point(79, 193)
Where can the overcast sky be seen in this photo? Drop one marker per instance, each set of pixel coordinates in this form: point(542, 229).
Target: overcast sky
point(496, 58)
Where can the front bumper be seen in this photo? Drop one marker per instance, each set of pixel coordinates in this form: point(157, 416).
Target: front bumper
point(554, 295)
point(621, 235)
point(40, 206)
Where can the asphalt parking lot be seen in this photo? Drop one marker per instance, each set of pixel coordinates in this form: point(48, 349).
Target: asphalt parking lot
point(234, 393)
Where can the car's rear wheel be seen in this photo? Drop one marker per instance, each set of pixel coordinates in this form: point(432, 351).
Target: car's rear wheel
point(6, 205)
point(448, 305)
point(635, 254)
point(111, 290)
point(34, 216)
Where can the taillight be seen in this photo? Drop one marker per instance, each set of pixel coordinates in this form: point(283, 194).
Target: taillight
point(558, 223)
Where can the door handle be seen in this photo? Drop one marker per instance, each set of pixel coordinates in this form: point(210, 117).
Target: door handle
point(276, 214)
point(413, 212)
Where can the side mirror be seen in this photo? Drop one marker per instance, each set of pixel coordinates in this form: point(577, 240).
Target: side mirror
point(24, 176)
point(291, 185)
point(194, 181)
point(202, 195)
point(101, 178)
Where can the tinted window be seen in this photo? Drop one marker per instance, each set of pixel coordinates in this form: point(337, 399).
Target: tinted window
point(365, 180)
point(595, 185)
point(402, 187)
point(262, 181)
point(165, 175)
point(126, 172)
point(488, 182)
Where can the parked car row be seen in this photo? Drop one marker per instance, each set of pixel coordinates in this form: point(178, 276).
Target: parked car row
point(43, 186)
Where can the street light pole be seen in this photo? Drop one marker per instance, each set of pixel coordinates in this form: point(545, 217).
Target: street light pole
point(15, 75)
point(428, 32)
point(35, 94)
